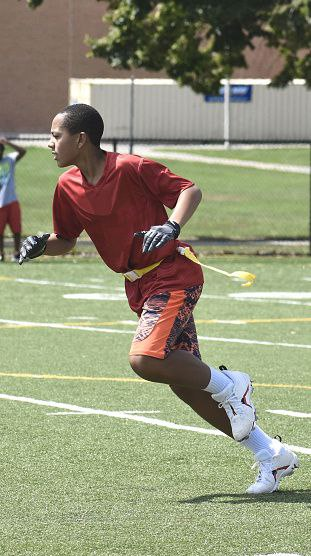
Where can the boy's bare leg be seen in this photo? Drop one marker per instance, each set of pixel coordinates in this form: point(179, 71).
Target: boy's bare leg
point(179, 368)
point(187, 376)
point(203, 404)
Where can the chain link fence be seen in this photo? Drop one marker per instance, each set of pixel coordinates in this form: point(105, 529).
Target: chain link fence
point(256, 198)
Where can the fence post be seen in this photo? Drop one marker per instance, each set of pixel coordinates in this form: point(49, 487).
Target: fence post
point(310, 199)
point(132, 115)
point(227, 113)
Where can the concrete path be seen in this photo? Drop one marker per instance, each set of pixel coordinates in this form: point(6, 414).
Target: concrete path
point(185, 157)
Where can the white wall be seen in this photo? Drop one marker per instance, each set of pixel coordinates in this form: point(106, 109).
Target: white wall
point(165, 111)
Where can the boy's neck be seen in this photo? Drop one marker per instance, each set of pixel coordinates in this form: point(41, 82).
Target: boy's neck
point(92, 166)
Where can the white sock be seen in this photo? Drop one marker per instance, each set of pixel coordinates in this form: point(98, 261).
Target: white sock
point(259, 440)
point(218, 382)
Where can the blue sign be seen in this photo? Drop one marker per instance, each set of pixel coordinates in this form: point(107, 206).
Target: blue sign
point(238, 93)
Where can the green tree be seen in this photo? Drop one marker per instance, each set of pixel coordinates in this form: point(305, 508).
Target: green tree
point(200, 42)
point(34, 3)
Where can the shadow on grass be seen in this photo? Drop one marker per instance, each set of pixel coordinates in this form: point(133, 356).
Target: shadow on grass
point(283, 496)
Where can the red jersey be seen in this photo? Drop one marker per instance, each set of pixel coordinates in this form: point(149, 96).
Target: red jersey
point(129, 197)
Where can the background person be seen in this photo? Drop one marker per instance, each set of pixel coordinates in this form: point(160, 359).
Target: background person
point(115, 198)
point(10, 212)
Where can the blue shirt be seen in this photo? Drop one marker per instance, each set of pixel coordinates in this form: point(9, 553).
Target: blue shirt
point(7, 179)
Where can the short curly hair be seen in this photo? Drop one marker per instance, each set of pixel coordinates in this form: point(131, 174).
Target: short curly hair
point(82, 117)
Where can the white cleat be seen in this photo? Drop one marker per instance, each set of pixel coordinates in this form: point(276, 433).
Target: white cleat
point(236, 401)
point(272, 469)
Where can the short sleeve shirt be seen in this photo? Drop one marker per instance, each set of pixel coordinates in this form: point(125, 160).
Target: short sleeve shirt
point(7, 179)
point(130, 196)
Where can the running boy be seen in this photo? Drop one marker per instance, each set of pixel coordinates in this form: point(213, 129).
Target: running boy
point(116, 198)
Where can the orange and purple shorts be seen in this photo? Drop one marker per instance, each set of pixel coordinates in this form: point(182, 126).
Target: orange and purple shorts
point(11, 214)
point(166, 324)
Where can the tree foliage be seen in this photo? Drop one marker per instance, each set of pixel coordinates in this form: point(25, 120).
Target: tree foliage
point(34, 3)
point(199, 42)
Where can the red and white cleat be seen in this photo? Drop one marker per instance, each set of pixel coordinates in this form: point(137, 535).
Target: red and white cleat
point(273, 469)
point(236, 401)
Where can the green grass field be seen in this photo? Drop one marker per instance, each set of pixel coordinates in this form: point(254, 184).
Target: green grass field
point(107, 484)
point(238, 203)
point(298, 156)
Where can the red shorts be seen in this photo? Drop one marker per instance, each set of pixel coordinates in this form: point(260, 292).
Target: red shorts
point(11, 215)
point(166, 324)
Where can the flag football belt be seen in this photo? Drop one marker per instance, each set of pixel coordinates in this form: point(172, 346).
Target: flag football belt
point(133, 275)
point(241, 275)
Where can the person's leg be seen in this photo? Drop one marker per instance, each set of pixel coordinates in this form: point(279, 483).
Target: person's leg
point(258, 440)
point(17, 243)
point(3, 212)
point(274, 459)
point(185, 366)
point(156, 356)
point(183, 371)
point(200, 401)
point(203, 404)
point(15, 225)
point(1, 247)
point(179, 368)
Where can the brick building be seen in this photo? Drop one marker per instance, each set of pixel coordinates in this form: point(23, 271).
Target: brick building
point(41, 49)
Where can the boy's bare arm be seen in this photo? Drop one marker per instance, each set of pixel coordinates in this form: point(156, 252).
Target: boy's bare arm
point(57, 245)
point(48, 244)
point(20, 150)
point(187, 203)
point(158, 236)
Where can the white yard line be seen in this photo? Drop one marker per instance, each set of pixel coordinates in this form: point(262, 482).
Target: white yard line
point(128, 416)
point(64, 284)
point(113, 296)
point(94, 412)
point(117, 331)
point(279, 554)
point(273, 301)
point(185, 157)
point(253, 342)
point(134, 411)
point(96, 296)
point(290, 413)
point(231, 297)
point(116, 414)
point(236, 297)
point(78, 317)
point(56, 413)
point(272, 295)
point(61, 326)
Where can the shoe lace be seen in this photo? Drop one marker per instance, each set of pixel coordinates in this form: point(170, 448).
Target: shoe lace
point(264, 470)
point(232, 404)
point(223, 368)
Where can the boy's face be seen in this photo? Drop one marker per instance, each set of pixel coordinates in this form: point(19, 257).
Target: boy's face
point(65, 147)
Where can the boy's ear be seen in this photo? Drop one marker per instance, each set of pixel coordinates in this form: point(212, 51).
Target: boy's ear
point(82, 139)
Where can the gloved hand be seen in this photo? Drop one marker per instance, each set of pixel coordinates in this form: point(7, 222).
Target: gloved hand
point(158, 236)
point(32, 247)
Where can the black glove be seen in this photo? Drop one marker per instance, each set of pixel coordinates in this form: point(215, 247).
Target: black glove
point(158, 236)
point(32, 247)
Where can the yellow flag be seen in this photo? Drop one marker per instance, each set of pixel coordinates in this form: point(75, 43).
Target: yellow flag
point(240, 275)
